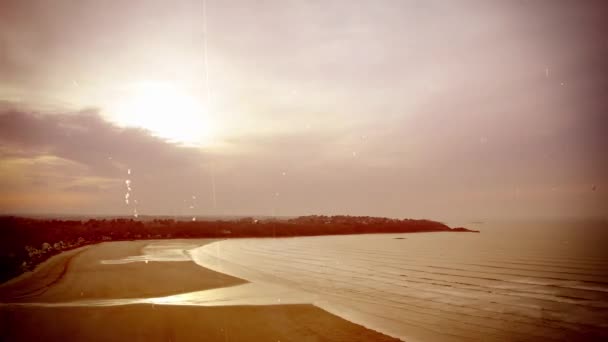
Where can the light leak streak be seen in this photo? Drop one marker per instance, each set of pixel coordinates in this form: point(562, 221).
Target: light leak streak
point(213, 197)
point(128, 195)
point(193, 207)
point(209, 95)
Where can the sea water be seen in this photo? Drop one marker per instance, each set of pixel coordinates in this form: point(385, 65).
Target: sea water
point(526, 282)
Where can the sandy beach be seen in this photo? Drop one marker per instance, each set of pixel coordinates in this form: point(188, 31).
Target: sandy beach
point(93, 273)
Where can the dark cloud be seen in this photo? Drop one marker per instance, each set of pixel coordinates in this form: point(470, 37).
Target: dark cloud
point(86, 138)
point(62, 150)
point(414, 167)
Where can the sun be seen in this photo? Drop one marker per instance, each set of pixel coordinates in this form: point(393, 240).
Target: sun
point(166, 111)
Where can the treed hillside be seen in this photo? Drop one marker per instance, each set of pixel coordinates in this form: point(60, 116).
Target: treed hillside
point(25, 242)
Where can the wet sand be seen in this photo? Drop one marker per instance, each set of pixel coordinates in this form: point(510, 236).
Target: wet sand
point(80, 275)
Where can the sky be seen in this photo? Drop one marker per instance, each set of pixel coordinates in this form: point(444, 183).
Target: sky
point(449, 110)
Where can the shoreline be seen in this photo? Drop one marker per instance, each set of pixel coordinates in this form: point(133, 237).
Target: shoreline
point(37, 263)
point(80, 275)
point(27, 241)
point(58, 278)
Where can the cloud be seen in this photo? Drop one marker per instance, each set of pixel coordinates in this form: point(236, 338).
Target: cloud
point(86, 138)
point(81, 153)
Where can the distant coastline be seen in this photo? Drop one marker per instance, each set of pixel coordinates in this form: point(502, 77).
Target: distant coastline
point(26, 242)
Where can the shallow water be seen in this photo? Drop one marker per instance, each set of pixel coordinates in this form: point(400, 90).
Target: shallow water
point(511, 282)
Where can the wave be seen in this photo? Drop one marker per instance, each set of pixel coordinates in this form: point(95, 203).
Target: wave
point(427, 288)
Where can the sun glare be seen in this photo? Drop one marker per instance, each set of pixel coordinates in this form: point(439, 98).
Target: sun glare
point(166, 111)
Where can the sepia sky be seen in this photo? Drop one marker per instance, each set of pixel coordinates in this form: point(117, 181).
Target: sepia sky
point(451, 110)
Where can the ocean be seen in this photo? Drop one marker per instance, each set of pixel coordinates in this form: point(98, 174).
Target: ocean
point(511, 282)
